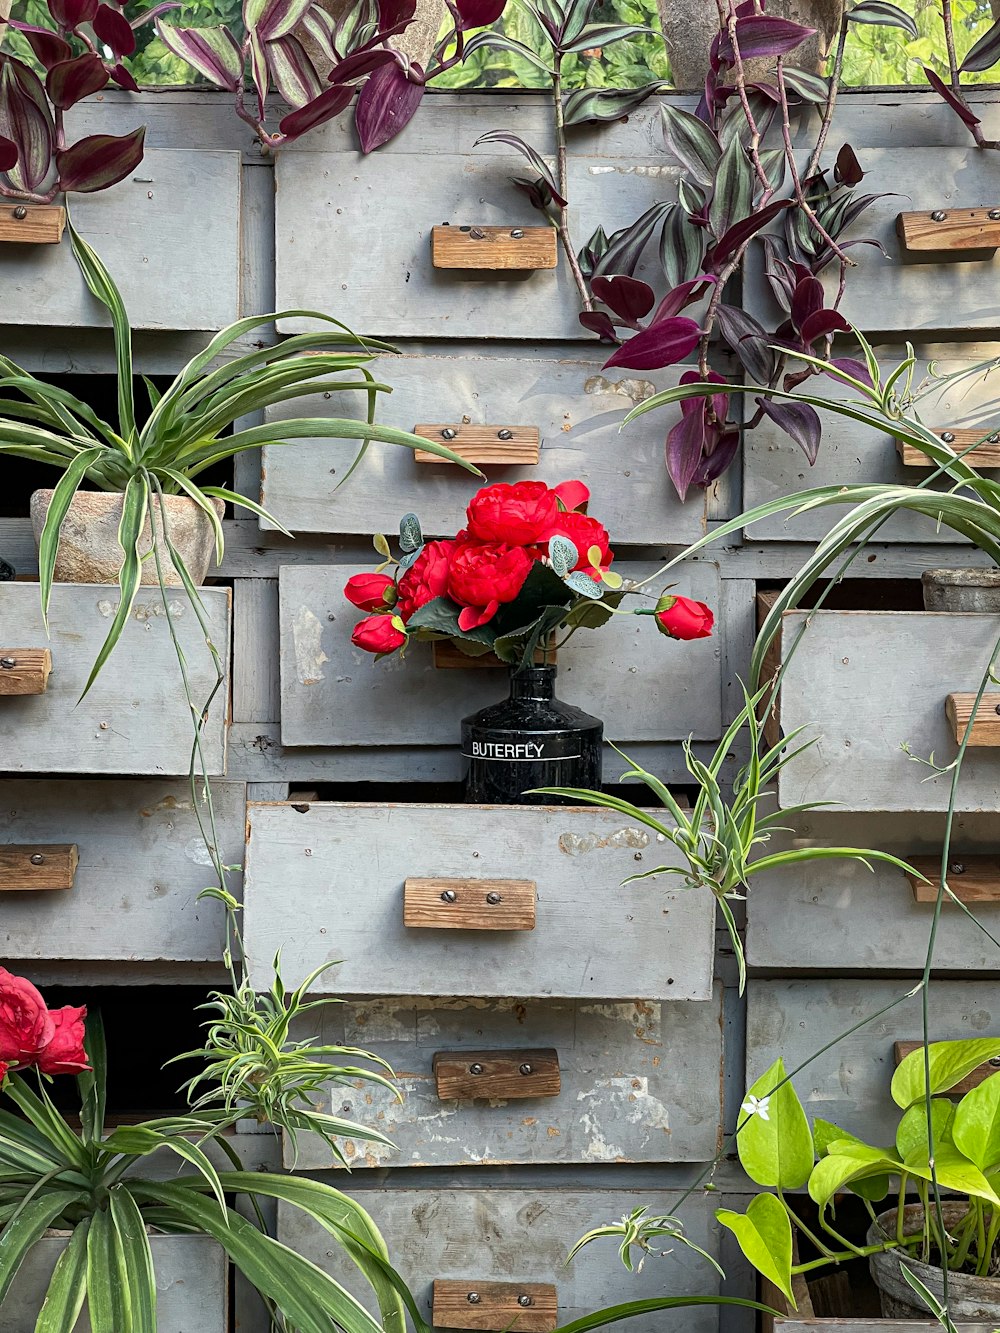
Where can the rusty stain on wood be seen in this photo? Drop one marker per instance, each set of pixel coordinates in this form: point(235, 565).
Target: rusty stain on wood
point(985, 728)
point(469, 904)
point(951, 231)
point(511, 249)
point(497, 446)
point(36, 866)
point(503, 1075)
point(32, 224)
point(901, 1049)
point(521, 1307)
point(24, 670)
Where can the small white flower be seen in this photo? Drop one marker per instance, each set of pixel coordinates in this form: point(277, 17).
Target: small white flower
point(756, 1106)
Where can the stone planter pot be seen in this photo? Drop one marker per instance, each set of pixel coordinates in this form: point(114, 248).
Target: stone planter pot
point(969, 1298)
point(88, 543)
point(962, 590)
point(690, 25)
point(192, 1285)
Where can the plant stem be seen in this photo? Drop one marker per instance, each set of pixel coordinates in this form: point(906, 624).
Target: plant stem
point(831, 101)
point(860, 1253)
point(562, 180)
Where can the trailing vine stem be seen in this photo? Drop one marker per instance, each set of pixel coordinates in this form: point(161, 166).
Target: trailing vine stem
point(562, 180)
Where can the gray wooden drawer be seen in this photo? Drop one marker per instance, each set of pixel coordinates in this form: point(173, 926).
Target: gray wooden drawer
point(515, 1235)
point(192, 1286)
point(887, 293)
point(572, 402)
point(143, 229)
point(639, 1083)
point(849, 1084)
point(141, 868)
point(774, 467)
point(643, 686)
point(325, 882)
point(135, 718)
point(801, 917)
point(867, 682)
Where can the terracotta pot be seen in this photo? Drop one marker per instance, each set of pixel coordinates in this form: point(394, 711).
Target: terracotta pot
point(962, 590)
point(88, 540)
point(969, 1298)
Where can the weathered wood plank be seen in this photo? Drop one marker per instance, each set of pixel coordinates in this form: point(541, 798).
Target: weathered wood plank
point(24, 670)
point(37, 866)
point(325, 881)
point(981, 720)
point(506, 248)
point(976, 448)
point(527, 1307)
point(31, 224)
point(949, 232)
point(256, 678)
point(972, 879)
point(569, 399)
point(141, 867)
point(187, 202)
point(496, 1075)
point(129, 722)
point(500, 1232)
point(443, 903)
point(496, 446)
point(642, 686)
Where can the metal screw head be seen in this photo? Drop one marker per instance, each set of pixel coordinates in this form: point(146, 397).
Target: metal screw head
point(449, 896)
point(8, 663)
point(449, 433)
point(939, 215)
point(957, 867)
point(476, 1069)
point(38, 859)
point(525, 1069)
point(493, 898)
point(476, 233)
point(997, 710)
point(948, 436)
point(505, 434)
point(994, 215)
point(994, 1060)
point(473, 1298)
point(993, 439)
point(20, 213)
point(525, 1301)
point(517, 234)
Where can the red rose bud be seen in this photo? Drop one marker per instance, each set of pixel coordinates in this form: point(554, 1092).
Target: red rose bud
point(483, 576)
point(370, 592)
point(378, 634)
point(585, 532)
point(26, 1026)
point(65, 1053)
point(426, 578)
point(572, 494)
point(517, 515)
point(682, 618)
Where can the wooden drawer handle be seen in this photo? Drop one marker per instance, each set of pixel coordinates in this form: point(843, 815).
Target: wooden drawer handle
point(985, 454)
point(469, 904)
point(505, 446)
point(522, 1307)
point(902, 1049)
point(24, 670)
point(34, 866)
point(954, 231)
point(493, 249)
point(32, 224)
point(986, 727)
point(972, 879)
point(505, 1075)
point(449, 658)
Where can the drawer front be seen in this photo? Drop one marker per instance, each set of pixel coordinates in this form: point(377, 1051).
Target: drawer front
point(849, 1084)
point(141, 867)
point(143, 227)
point(328, 884)
point(773, 466)
point(643, 686)
point(801, 917)
point(326, 203)
point(135, 718)
point(890, 293)
point(524, 1235)
point(866, 683)
point(639, 1083)
point(576, 407)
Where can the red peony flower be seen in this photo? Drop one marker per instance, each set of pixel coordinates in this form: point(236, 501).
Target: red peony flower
point(584, 532)
point(377, 634)
point(370, 592)
point(682, 618)
point(26, 1025)
point(65, 1053)
point(515, 515)
point(482, 576)
point(426, 579)
point(572, 494)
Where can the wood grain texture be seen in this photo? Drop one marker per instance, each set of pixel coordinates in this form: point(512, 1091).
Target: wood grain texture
point(326, 883)
point(469, 904)
point(949, 231)
point(641, 685)
point(35, 866)
point(982, 723)
point(564, 392)
point(976, 450)
point(514, 249)
point(441, 1233)
point(769, 709)
point(24, 670)
point(522, 1307)
point(31, 224)
point(972, 879)
point(501, 1074)
point(978, 1075)
point(486, 446)
point(135, 719)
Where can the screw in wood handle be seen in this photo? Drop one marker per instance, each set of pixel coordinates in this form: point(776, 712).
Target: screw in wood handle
point(972, 879)
point(521, 1307)
point(977, 447)
point(469, 904)
point(24, 670)
point(950, 231)
point(37, 866)
point(499, 1075)
point(985, 729)
point(494, 249)
point(497, 446)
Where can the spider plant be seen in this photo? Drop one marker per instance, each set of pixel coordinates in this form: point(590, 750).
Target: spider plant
point(186, 430)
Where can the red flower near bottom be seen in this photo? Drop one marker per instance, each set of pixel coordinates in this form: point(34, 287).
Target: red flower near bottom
point(482, 577)
point(377, 634)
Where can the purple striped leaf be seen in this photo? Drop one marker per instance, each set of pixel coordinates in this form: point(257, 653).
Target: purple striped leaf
point(123, 78)
point(280, 17)
point(684, 450)
point(956, 103)
point(821, 324)
point(258, 68)
point(26, 120)
point(537, 190)
point(627, 297)
point(682, 295)
point(626, 246)
point(985, 53)
point(71, 81)
point(695, 145)
point(762, 35)
point(99, 161)
point(359, 63)
point(213, 52)
point(799, 421)
point(386, 105)
point(856, 369)
point(48, 47)
point(317, 112)
point(295, 75)
point(742, 232)
point(8, 154)
point(525, 149)
point(882, 13)
point(479, 13)
point(807, 298)
point(149, 14)
point(587, 105)
point(749, 340)
point(71, 13)
point(662, 344)
point(114, 29)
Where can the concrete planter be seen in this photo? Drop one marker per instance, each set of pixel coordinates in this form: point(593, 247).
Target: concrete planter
point(88, 544)
point(973, 1298)
point(962, 590)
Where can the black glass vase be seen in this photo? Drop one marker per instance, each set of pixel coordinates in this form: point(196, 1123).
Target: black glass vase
point(531, 739)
